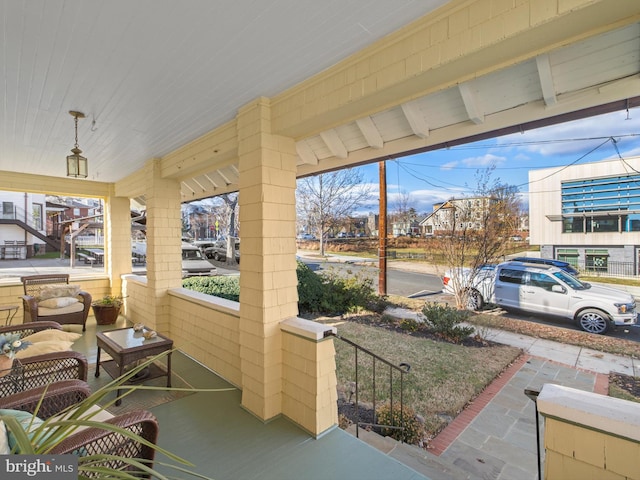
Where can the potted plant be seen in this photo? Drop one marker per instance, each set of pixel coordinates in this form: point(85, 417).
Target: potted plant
point(107, 309)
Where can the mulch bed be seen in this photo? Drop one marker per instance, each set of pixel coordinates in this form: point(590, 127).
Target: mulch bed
point(626, 382)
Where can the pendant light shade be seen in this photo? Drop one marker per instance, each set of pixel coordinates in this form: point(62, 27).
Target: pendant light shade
point(76, 163)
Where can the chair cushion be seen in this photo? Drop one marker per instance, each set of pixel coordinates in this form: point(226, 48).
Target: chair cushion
point(52, 334)
point(41, 348)
point(29, 423)
point(4, 439)
point(52, 312)
point(57, 302)
point(57, 291)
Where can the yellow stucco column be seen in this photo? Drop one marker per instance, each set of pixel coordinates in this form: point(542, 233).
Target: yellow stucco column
point(117, 226)
point(268, 283)
point(164, 267)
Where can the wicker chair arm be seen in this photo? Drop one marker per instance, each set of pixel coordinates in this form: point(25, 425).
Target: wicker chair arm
point(55, 398)
point(86, 298)
point(96, 440)
point(25, 329)
point(51, 367)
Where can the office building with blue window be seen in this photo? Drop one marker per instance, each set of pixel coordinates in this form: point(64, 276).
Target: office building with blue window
point(588, 215)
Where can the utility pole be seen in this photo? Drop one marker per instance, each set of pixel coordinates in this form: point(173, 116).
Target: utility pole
point(382, 230)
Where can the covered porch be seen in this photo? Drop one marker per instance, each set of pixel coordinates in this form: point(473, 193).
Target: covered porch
point(225, 441)
point(446, 73)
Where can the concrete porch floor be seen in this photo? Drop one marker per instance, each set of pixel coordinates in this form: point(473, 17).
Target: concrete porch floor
point(224, 441)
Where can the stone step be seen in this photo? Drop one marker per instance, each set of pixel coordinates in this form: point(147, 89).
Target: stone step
point(420, 460)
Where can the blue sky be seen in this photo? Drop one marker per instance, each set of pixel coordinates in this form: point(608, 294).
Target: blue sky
point(432, 177)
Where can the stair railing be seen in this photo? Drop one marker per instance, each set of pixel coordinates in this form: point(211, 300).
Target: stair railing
point(401, 370)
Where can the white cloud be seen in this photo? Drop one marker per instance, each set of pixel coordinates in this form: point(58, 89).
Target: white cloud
point(485, 160)
point(449, 165)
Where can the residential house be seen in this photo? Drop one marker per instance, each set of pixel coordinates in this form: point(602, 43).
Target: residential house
point(588, 214)
point(185, 101)
point(456, 213)
point(22, 224)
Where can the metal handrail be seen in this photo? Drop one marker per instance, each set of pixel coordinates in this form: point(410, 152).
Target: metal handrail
point(402, 369)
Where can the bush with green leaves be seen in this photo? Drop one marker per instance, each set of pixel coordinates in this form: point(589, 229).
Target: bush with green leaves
point(351, 293)
point(330, 293)
point(412, 431)
point(310, 289)
point(444, 321)
point(220, 286)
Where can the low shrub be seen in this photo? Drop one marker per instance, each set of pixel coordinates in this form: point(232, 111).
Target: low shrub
point(223, 287)
point(444, 321)
point(328, 294)
point(413, 429)
point(310, 289)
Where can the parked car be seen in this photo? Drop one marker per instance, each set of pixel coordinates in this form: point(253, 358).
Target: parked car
point(219, 250)
point(194, 264)
point(548, 290)
point(566, 266)
point(306, 236)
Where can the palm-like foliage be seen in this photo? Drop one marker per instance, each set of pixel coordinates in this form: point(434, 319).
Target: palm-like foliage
point(44, 438)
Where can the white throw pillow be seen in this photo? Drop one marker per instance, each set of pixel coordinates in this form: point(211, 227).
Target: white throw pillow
point(58, 302)
point(41, 348)
point(52, 334)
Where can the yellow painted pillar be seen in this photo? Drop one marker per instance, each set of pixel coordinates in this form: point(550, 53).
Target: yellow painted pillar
point(268, 282)
point(117, 232)
point(164, 258)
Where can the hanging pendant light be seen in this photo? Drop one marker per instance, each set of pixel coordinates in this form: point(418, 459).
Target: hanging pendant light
point(76, 163)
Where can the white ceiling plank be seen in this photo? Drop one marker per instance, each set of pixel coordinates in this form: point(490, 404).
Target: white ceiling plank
point(305, 152)
point(471, 103)
point(416, 120)
point(546, 79)
point(333, 142)
point(370, 132)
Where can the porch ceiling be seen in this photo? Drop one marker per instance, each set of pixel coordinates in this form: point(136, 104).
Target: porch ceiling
point(154, 75)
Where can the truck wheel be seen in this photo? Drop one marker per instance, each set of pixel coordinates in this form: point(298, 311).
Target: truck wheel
point(216, 256)
point(475, 300)
point(593, 321)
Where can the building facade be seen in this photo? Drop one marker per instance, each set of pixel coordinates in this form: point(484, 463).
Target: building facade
point(588, 215)
point(456, 214)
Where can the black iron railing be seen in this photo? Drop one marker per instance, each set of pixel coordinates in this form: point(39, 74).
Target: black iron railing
point(400, 370)
point(533, 395)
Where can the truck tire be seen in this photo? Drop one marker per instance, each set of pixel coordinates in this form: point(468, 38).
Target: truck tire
point(475, 300)
point(593, 321)
point(216, 256)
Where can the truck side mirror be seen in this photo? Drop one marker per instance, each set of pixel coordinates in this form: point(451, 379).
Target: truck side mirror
point(558, 289)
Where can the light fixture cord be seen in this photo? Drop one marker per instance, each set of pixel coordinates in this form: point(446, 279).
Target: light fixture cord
point(76, 119)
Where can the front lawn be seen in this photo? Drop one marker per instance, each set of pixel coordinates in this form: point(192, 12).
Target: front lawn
point(443, 379)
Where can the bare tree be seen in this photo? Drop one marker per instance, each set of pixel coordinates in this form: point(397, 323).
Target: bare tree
point(324, 200)
point(231, 204)
point(479, 228)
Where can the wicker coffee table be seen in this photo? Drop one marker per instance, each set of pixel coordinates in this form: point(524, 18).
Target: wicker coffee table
point(126, 346)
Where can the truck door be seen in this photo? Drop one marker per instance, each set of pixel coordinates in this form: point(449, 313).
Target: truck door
point(538, 295)
point(508, 287)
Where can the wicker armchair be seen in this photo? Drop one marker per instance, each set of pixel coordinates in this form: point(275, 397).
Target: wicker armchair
point(91, 440)
point(58, 396)
point(34, 285)
point(40, 370)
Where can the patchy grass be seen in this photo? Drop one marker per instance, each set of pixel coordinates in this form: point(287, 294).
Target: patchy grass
point(443, 378)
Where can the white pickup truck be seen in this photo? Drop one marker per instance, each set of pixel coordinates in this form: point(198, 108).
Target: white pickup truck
point(549, 290)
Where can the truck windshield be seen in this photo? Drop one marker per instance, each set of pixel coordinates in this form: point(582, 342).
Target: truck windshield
point(570, 280)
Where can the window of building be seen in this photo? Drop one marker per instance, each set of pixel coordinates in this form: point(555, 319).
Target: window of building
point(36, 214)
point(569, 255)
point(597, 260)
point(607, 204)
